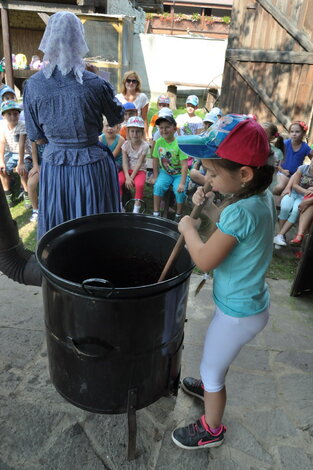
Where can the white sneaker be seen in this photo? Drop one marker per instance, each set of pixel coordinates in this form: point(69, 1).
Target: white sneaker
point(34, 216)
point(280, 240)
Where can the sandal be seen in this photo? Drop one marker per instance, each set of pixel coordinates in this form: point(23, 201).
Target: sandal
point(297, 240)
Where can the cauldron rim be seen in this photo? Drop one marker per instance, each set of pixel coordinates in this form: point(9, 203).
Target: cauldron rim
point(119, 292)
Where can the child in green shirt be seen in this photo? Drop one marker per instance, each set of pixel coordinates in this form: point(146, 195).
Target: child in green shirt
point(170, 166)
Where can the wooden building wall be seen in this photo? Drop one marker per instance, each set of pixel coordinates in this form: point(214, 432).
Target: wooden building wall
point(269, 61)
point(26, 31)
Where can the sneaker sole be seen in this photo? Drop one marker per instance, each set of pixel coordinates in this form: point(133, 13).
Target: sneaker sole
point(204, 446)
point(186, 390)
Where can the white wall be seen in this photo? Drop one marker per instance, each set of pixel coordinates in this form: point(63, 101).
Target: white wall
point(158, 58)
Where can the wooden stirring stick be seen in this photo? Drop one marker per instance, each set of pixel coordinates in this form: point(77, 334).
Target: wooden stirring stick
point(181, 241)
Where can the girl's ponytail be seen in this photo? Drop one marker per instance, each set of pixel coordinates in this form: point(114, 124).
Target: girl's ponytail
point(279, 143)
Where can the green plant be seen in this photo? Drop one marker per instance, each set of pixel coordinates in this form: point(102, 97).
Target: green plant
point(208, 19)
point(149, 16)
point(226, 19)
point(165, 16)
point(195, 17)
point(178, 17)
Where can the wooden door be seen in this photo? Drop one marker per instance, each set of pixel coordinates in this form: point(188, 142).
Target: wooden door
point(269, 61)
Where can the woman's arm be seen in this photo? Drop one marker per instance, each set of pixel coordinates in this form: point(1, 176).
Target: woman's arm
point(207, 255)
point(144, 115)
point(117, 149)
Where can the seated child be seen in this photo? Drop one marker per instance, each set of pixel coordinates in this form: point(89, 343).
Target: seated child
point(33, 176)
point(134, 151)
point(8, 94)
point(130, 110)
point(289, 208)
point(10, 155)
point(190, 123)
point(174, 167)
point(209, 119)
point(163, 102)
point(112, 139)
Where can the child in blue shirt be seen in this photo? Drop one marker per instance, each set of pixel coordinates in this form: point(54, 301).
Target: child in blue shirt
point(295, 150)
point(235, 154)
point(170, 166)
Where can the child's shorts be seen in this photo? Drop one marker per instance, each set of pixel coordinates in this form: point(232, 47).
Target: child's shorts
point(11, 161)
point(164, 181)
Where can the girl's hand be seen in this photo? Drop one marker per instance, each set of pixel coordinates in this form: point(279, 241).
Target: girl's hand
point(304, 204)
point(199, 197)
point(285, 172)
point(2, 168)
point(151, 180)
point(287, 190)
point(20, 169)
point(181, 188)
point(129, 183)
point(188, 223)
point(34, 171)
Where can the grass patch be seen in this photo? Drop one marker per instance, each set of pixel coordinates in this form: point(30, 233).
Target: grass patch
point(27, 229)
point(283, 266)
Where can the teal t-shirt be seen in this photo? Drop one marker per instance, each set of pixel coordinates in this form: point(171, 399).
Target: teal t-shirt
point(239, 287)
point(103, 140)
point(169, 155)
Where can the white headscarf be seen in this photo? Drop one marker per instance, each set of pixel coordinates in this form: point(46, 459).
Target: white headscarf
point(64, 45)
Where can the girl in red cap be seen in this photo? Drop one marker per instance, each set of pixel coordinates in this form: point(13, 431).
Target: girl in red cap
point(236, 156)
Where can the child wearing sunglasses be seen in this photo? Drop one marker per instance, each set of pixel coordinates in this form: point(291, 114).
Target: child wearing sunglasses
point(131, 92)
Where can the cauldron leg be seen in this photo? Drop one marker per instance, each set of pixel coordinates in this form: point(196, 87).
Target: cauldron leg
point(132, 423)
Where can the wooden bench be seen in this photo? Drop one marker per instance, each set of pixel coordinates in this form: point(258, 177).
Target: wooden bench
point(172, 92)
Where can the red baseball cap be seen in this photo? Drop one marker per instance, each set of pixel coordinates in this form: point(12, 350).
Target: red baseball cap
point(246, 144)
point(234, 137)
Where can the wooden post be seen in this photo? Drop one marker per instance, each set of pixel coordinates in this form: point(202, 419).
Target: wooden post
point(211, 98)
point(7, 47)
point(172, 18)
point(172, 93)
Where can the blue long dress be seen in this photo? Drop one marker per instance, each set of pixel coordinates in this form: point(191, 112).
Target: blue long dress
point(78, 177)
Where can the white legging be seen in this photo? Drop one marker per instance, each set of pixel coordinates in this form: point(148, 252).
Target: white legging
point(225, 337)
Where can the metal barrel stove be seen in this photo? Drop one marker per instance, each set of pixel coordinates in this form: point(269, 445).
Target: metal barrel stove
point(114, 335)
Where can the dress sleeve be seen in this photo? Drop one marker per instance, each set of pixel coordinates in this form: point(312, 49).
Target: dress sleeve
point(237, 222)
point(33, 128)
point(143, 100)
point(307, 149)
point(110, 105)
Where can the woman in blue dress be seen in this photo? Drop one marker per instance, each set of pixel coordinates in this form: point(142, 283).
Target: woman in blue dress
point(64, 105)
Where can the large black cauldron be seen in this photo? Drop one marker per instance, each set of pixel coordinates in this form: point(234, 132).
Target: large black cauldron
point(109, 341)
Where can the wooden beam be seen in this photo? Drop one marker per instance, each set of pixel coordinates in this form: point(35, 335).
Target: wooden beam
point(282, 57)
point(44, 17)
point(267, 100)
point(45, 7)
point(196, 85)
point(290, 26)
point(7, 47)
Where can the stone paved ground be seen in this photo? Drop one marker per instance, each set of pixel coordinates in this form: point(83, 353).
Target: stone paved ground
point(269, 413)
